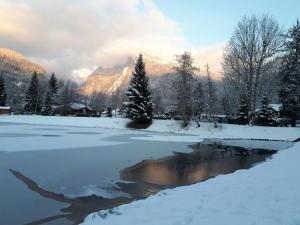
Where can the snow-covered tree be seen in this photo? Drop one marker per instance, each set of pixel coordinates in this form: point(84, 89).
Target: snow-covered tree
point(158, 106)
point(225, 103)
point(139, 107)
point(185, 70)
point(47, 104)
point(255, 42)
point(265, 116)
point(198, 99)
point(98, 101)
point(242, 115)
point(290, 75)
point(211, 98)
point(53, 84)
point(2, 92)
point(32, 96)
point(53, 89)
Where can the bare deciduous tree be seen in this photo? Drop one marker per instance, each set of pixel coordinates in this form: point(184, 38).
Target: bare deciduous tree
point(253, 45)
point(185, 69)
point(211, 98)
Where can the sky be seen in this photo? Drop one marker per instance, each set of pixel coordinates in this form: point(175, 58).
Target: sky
point(206, 23)
point(73, 37)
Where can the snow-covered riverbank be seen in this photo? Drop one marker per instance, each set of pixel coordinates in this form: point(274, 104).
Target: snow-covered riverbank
point(267, 194)
point(170, 126)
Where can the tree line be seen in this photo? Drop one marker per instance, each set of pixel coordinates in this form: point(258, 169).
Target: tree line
point(261, 64)
point(258, 57)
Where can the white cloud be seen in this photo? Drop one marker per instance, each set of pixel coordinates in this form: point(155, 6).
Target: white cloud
point(64, 35)
point(212, 56)
point(81, 74)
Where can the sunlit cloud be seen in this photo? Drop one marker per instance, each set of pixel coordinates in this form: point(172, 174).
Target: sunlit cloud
point(72, 37)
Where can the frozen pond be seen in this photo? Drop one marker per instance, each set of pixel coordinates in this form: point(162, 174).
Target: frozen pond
point(58, 175)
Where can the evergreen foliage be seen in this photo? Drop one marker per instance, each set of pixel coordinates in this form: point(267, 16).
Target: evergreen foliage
point(2, 92)
point(109, 112)
point(53, 85)
point(242, 116)
point(32, 96)
point(139, 107)
point(290, 75)
point(47, 105)
point(265, 116)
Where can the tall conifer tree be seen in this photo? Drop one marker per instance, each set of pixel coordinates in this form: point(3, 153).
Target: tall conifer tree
point(139, 107)
point(2, 92)
point(290, 75)
point(32, 97)
point(47, 105)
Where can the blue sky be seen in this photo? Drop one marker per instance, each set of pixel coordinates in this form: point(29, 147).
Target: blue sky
point(209, 22)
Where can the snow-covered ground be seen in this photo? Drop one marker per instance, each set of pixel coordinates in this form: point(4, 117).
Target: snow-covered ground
point(23, 137)
point(170, 126)
point(267, 194)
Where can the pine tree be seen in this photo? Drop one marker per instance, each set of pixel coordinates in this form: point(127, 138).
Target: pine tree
point(265, 116)
point(53, 85)
point(47, 105)
point(242, 115)
point(290, 75)
point(2, 92)
point(53, 88)
point(139, 107)
point(32, 96)
point(109, 112)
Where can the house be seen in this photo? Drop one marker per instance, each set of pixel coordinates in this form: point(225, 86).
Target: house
point(275, 107)
point(217, 117)
point(73, 108)
point(4, 110)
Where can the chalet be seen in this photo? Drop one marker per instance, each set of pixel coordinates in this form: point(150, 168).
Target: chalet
point(73, 108)
point(4, 110)
point(276, 108)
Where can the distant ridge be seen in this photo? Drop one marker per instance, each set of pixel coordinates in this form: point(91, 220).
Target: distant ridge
point(109, 80)
point(14, 62)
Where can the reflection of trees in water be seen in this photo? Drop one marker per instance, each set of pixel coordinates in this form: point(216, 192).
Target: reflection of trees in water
point(205, 161)
point(78, 207)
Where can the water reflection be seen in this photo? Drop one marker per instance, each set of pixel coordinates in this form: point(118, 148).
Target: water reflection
point(151, 176)
point(205, 161)
point(78, 207)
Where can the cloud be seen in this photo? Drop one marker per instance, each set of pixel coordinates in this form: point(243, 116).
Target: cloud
point(212, 56)
point(72, 37)
point(78, 75)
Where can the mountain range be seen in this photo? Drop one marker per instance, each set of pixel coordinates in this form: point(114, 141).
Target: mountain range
point(17, 70)
point(108, 80)
point(12, 62)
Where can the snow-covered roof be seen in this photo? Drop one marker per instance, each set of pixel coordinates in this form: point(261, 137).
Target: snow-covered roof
point(77, 106)
point(276, 106)
point(4, 107)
